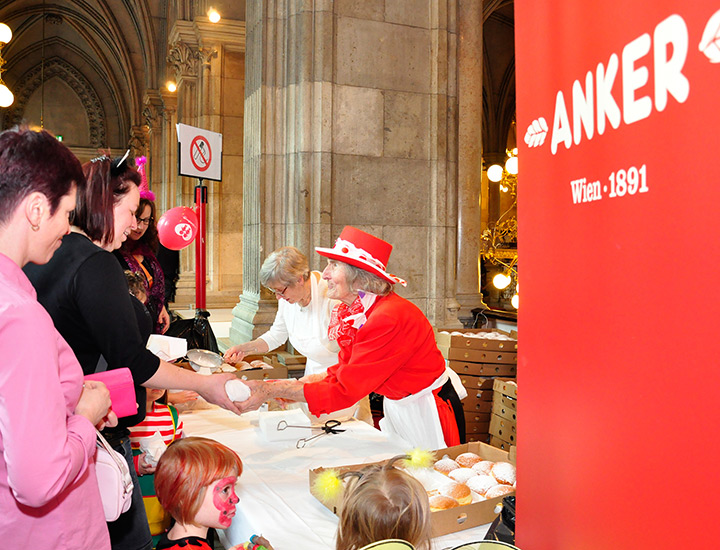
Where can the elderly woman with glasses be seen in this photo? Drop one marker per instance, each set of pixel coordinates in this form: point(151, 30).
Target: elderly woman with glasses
point(387, 346)
point(303, 312)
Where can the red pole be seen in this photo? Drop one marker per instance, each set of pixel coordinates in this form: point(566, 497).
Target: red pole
point(200, 275)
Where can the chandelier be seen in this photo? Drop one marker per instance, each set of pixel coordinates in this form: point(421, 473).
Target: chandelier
point(6, 96)
point(498, 243)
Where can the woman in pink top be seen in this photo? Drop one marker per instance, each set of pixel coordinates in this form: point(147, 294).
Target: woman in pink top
point(49, 496)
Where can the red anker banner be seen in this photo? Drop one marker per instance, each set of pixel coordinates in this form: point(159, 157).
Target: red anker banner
point(619, 213)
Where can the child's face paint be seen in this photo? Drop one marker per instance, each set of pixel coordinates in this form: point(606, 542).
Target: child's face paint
point(218, 506)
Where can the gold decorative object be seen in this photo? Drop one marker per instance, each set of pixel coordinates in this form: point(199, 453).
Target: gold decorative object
point(498, 243)
point(6, 96)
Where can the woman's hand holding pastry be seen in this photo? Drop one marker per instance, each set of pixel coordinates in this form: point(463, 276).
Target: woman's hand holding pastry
point(259, 394)
point(213, 390)
point(94, 404)
point(235, 354)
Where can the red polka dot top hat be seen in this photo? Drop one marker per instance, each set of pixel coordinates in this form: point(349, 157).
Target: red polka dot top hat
point(362, 250)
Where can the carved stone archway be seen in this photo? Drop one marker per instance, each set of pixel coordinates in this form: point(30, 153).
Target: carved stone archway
point(55, 67)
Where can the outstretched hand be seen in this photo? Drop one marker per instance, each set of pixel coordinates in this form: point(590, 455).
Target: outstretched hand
point(259, 394)
point(213, 391)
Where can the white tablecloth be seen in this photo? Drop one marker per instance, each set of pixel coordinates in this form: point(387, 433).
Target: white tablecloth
point(275, 499)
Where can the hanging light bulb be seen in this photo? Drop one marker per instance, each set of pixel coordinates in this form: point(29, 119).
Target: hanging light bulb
point(5, 34)
point(495, 173)
point(6, 96)
point(515, 300)
point(501, 281)
point(511, 165)
point(171, 86)
point(213, 15)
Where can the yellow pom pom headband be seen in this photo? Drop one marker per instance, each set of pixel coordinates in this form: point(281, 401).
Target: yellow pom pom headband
point(329, 485)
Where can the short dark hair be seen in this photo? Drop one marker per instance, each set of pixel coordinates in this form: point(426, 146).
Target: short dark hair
point(35, 161)
point(107, 181)
point(150, 237)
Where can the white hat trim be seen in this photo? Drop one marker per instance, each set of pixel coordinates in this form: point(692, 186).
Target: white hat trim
point(362, 256)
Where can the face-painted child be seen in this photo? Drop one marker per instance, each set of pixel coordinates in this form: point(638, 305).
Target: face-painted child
point(218, 505)
point(195, 482)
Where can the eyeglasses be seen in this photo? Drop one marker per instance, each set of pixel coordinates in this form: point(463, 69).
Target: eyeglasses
point(279, 292)
point(144, 221)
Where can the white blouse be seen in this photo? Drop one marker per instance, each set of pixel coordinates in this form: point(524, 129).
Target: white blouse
point(307, 328)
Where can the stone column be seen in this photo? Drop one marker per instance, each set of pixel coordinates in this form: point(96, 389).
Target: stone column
point(256, 41)
point(166, 170)
point(287, 170)
point(350, 119)
point(153, 114)
point(470, 109)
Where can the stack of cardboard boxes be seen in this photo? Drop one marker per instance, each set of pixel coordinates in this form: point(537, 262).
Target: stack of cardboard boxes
point(503, 422)
point(478, 362)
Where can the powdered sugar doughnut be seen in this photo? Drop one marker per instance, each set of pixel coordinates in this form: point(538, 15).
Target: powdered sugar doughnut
point(498, 491)
point(504, 472)
point(483, 467)
point(446, 465)
point(439, 502)
point(461, 475)
point(458, 491)
point(467, 460)
point(481, 484)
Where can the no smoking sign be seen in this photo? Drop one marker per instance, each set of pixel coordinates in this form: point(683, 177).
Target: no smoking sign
point(200, 152)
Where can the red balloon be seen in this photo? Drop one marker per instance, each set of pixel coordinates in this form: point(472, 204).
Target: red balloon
point(177, 227)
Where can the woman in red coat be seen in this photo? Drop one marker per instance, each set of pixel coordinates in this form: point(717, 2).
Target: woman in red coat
point(387, 346)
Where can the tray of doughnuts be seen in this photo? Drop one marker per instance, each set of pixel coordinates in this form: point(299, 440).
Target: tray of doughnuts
point(465, 485)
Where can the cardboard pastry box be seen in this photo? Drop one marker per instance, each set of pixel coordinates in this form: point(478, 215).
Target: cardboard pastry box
point(274, 373)
point(478, 355)
point(454, 519)
point(483, 369)
point(458, 341)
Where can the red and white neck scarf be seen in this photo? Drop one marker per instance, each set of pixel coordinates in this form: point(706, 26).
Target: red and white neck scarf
point(346, 320)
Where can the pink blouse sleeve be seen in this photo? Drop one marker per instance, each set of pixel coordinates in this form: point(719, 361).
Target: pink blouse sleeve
point(45, 446)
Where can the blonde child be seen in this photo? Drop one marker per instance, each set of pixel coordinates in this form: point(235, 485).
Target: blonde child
point(195, 482)
point(163, 419)
point(383, 503)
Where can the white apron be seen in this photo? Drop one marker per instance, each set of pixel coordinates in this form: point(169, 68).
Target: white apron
point(415, 418)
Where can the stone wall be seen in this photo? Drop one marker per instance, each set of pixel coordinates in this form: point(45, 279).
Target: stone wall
point(354, 108)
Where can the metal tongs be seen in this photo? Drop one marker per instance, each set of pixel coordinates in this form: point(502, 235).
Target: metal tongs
point(330, 427)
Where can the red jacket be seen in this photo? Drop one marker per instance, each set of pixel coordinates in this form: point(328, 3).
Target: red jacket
point(393, 354)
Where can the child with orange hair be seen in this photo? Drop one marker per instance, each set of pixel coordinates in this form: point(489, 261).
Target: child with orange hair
point(195, 482)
